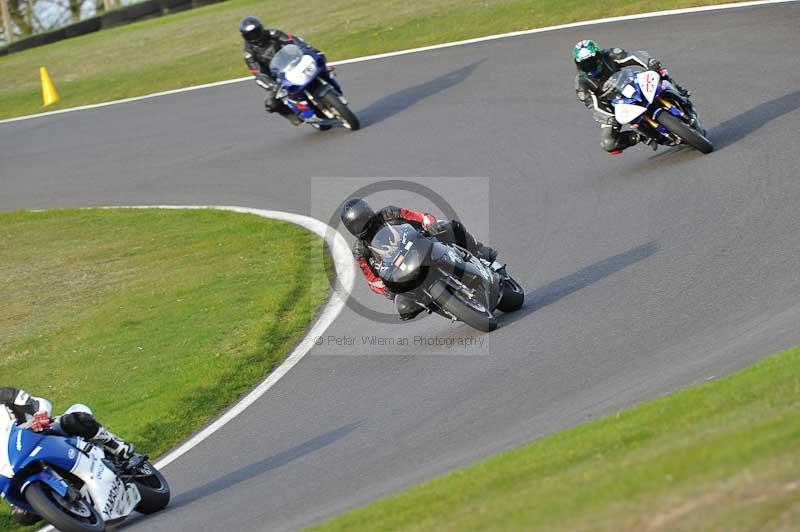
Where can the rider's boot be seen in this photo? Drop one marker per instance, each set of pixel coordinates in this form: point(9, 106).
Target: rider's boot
point(647, 141)
point(489, 254)
point(113, 443)
point(294, 119)
point(24, 517)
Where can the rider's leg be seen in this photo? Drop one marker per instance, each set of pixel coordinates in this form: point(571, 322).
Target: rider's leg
point(273, 105)
point(454, 232)
point(80, 422)
point(614, 141)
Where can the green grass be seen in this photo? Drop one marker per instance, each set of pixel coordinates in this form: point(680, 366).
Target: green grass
point(721, 456)
point(203, 45)
point(156, 319)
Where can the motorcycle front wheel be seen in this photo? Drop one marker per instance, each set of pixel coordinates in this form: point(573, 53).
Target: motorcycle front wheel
point(333, 103)
point(513, 296)
point(468, 312)
point(65, 515)
point(680, 129)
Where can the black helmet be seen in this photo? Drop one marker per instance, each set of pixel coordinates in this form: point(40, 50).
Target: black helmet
point(251, 29)
point(357, 216)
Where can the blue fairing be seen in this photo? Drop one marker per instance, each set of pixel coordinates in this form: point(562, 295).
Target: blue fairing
point(60, 451)
point(294, 89)
point(25, 448)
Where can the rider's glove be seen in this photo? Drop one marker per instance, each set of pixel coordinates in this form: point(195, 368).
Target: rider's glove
point(436, 228)
point(654, 64)
point(41, 421)
point(428, 222)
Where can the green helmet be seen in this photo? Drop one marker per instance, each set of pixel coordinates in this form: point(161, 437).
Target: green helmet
point(586, 55)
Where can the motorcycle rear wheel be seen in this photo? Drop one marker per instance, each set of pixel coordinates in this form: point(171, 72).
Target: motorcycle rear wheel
point(685, 132)
point(46, 503)
point(153, 488)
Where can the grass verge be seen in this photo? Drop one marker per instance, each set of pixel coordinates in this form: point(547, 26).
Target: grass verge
point(721, 456)
point(157, 319)
point(203, 45)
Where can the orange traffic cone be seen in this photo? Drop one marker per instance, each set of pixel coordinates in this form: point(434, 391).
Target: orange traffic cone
point(49, 92)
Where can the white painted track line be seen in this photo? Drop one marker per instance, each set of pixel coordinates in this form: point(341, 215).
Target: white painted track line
point(424, 49)
point(345, 272)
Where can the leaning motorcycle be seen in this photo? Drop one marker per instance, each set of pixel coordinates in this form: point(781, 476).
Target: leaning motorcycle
point(444, 278)
point(652, 106)
point(71, 483)
point(318, 100)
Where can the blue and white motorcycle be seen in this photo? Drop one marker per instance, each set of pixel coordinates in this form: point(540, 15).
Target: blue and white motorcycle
point(71, 483)
point(309, 90)
point(651, 105)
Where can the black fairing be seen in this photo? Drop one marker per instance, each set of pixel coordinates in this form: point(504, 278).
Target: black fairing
point(404, 256)
point(408, 260)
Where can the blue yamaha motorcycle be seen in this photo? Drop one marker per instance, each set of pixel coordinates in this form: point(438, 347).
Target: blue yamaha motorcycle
point(309, 90)
point(71, 483)
point(652, 106)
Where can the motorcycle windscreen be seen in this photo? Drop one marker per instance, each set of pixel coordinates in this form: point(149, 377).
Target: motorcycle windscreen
point(301, 73)
point(401, 251)
point(288, 56)
point(626, 113)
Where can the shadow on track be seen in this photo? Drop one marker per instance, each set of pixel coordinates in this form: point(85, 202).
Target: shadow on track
point(251, 471)
point(398, 102)
point(740, 126)
point(561, 288)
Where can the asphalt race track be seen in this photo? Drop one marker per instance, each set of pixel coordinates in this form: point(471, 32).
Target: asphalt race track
point(645, 272)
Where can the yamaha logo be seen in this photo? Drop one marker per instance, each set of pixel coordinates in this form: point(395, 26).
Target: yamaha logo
point(71, 453)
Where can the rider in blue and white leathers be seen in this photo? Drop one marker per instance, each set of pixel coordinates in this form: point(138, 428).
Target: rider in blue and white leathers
point(35, 413)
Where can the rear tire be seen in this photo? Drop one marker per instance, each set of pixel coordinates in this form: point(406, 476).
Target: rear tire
point(44, 500)
point(691, 137)
point(332, 101)
point(153, 488)
point(513, 296)
point(461, 310)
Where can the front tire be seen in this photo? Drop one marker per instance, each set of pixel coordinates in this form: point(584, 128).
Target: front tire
point(335, 104)
point(691, 137)
point(153, 488)
point(63, 515)
point(452, 303)
point(513, 296)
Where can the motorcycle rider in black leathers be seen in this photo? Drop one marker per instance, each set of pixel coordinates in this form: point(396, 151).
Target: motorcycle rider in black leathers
point(260, 46)
point(34, 413)
point(363, 223)
point(595, 66)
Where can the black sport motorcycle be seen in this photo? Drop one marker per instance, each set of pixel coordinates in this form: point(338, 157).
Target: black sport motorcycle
point(444, 278)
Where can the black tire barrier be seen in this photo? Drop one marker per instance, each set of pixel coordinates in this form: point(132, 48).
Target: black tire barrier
point(173, 6)
point(131, 13)
point(111, 19)
point(83, 27)
point(37, 40)
point(201, 3)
